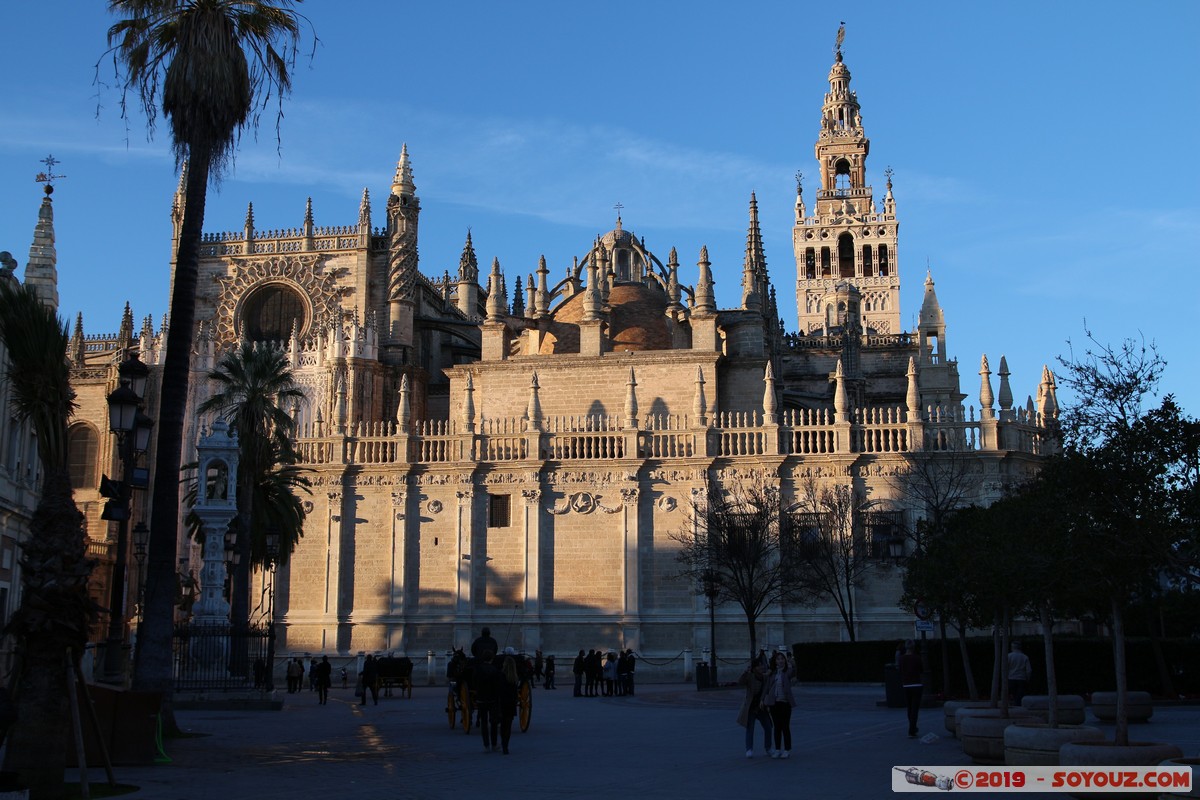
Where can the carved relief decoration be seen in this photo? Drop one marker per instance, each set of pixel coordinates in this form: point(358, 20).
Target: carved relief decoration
point(532, 496)
point(667, 504)
point(595, 477)
point(305, 274)
point(434, 506)
point(582, 503)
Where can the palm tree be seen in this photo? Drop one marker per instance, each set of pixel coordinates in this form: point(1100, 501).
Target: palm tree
point(254, 386)
point(213, 64)
point(55, 610)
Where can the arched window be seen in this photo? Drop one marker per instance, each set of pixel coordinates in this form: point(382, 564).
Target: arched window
point(825, 263)
point(845, 256)
point(868, 266)
point(83, 445)
point(841, 172)
point(270, 312)
point(883, 260)
point(810, 263)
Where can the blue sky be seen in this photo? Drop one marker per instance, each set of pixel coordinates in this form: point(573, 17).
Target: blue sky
point(1045, 154)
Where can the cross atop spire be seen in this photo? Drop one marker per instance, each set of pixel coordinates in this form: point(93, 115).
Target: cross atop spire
point(48, 177)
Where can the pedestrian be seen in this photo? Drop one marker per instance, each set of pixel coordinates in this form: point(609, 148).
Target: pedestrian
point(1019, 672)
point(752, 711)
point(345, 679)
point(549, 672)
point(370, 680)
point(484, 643)
point(594, 672)
point(910, 679)
point(324, 672)
point(779, 700)
point(295, 674)
point(312, 674)
point(577, 670)
point(508, 686)
point(610, 674)
point(485, 680)
point(539, 664)
point(631, 666)
point(260, 674)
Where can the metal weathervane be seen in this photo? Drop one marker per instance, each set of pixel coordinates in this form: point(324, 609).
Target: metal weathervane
point(48, 177)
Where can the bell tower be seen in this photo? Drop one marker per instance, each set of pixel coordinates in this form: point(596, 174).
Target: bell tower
point(846, 240)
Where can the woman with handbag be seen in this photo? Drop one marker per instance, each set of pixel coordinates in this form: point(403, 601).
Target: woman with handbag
point(752, 710)
point(779, 700)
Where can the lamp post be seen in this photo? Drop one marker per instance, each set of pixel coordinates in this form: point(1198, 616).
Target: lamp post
point(132, 429)
point(272, 564)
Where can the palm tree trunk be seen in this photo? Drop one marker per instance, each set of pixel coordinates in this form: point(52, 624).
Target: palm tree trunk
point(1051, 674)
point(153, 664)
point(972, 686)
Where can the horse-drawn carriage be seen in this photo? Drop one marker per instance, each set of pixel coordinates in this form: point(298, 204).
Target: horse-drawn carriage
point(460, 699)
point(395, 672)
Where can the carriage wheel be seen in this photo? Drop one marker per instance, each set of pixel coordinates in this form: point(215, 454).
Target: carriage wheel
point(525, 705)
point(464, 695)
point(451, 706)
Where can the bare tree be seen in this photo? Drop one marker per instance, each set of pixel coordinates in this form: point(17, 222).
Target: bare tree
point(833, 545)
point(737, 548)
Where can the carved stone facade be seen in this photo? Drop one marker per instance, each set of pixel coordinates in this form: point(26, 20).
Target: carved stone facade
point(522, 459)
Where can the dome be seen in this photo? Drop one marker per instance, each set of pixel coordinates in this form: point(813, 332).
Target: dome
point(636, 321)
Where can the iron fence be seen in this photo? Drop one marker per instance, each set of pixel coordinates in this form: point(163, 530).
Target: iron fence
point(217, 657)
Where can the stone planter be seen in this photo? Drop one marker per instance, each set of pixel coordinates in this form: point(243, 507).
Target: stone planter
point(951, 706)
point(1194, 763)
point(986, 711)
point(1138, 705)
point(1070, 707)
point(982, 735)
point(1029, 743)
point(1106, 754)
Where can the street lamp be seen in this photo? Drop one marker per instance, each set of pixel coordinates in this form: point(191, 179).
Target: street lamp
point(896, 549)
point(272, 564)
point(132, 428)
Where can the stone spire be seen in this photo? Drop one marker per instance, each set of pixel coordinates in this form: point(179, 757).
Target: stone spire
point(754, 266)
point(76, 349)
point(248, 226)
point(841, 405)
point(308, 218)
point(913, 398)
point(1048, 396)
point(631, 403)
point(770, 405)
point(402, 181)
point(986, 399)
point(364, 210)
point(1006, 395)
point(125, 333)
point(468, 265)
point(674, 295)
point(704, 286)
point(518, 303)
point(931, 324)
point(889, 202)
point(541, 305)
point(41, 271)
point(404, 410)
point(591, 292)
point(495, 299)
point(801, 211)
point(699, 403)
point(534, 410)
point(469, 405)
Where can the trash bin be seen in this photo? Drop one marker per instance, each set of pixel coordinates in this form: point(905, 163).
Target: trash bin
point(702, 681)
point(893, 689)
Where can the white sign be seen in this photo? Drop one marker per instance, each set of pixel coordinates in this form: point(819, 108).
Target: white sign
point(924, 625)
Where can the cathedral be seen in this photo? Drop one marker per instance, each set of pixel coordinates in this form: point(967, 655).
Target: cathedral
point(518, 451)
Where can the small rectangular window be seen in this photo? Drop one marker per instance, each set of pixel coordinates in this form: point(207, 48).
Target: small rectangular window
point(498, 511)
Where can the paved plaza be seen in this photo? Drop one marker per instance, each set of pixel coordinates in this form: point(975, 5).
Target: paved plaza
point(668, 741)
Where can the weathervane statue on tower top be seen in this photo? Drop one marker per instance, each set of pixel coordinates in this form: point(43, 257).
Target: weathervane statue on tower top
point(841, 37)
point(48, 177)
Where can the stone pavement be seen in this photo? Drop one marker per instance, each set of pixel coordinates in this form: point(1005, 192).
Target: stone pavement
point(668, 741)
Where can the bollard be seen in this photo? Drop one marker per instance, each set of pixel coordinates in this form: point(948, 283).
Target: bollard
point(687, 665)
point(430, 666)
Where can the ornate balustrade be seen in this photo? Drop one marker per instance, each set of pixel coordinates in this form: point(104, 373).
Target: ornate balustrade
point(800, 432)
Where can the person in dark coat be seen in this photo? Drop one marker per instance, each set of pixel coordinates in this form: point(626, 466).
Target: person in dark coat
point(549, 684)
point(508, 687)
point(370, 679)
point(577, 669)
point(485, 643)
point(485, 680)
point(910, 679)
point(324, 678)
